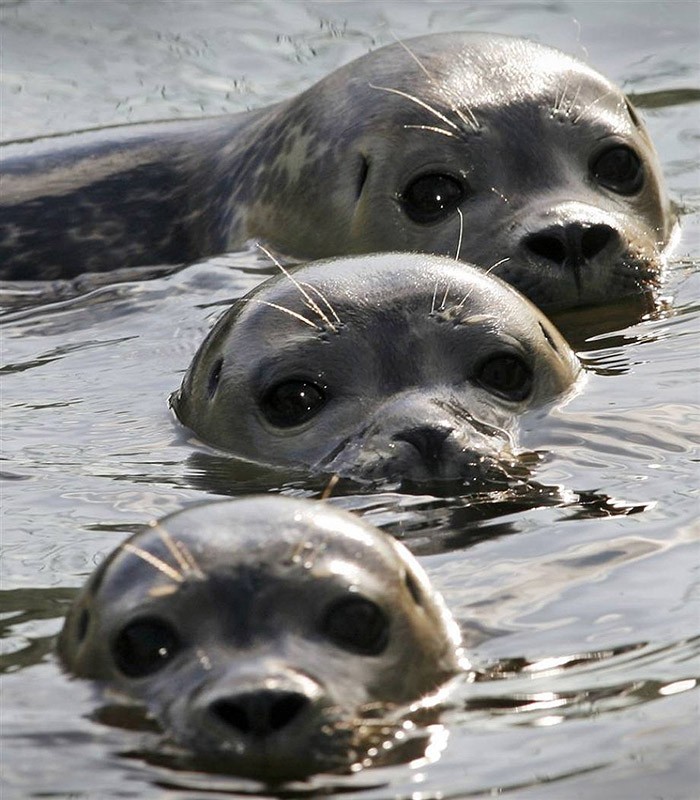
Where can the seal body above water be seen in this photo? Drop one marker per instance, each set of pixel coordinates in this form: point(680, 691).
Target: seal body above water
point(388, 367)
point(540, 162)
point(269, 636)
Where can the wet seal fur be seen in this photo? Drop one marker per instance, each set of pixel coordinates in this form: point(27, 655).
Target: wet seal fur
point(540, 160)
point(267, 635)
point(387, 367)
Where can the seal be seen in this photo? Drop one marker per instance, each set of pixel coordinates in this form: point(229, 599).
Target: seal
point(386, 367)
point(265, 635)
point(541, 161)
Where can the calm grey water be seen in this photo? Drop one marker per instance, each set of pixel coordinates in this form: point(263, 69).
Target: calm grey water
point(584, 619)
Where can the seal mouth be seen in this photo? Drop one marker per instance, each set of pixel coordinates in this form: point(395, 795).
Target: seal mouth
point(432, 460)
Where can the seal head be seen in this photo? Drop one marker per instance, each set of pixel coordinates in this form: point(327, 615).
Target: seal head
point(538, 163)
point(261, 633)
point(399, 367)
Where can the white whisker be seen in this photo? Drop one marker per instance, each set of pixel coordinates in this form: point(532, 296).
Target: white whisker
point(496, 192)
point(461, 233)
point(180, 552)
point(464, 300)
point(324, 299)
point(154, 561)
point(310, 302)
point(497, 264)
point(575, 98)
point(444, 297)
point(432, 305)
point(284, 310)
point(471, 121)
point(419, 102)
point(587, 108)
point(434, 129)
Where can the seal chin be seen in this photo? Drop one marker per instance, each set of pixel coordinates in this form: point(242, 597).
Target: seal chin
point(275, 728)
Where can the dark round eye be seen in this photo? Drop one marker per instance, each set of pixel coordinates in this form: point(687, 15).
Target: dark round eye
point(507, 376)
point(358, 625)
point(291, 403)
point(429, 198)
point(619, 169)
point(144, 646)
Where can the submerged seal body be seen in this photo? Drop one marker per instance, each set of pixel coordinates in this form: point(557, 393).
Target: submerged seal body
point(532, 160)
point(399, 367)
point(260, 632)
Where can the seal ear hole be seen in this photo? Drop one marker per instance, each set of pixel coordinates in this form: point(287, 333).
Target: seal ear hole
point(291, 403)
point(549, 339)
point(214, 376)
point(81, 627)
point(505, 375)
point(362, 177)
point(357, 624)
point(144, 646)
point(413, 588)
point(619, 169)
point(432, 197)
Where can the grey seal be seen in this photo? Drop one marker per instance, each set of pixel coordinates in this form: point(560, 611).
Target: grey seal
point(540, 160)
point(386, 367)
point(267, 635)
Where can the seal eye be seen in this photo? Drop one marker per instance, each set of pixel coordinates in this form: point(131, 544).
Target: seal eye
point(291, 403)
point(619, 169)
point(358, 625)
point(144, 646)
point(507, 376)
point(429, 198)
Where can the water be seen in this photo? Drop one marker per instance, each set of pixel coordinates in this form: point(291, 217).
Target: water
point(583, 618)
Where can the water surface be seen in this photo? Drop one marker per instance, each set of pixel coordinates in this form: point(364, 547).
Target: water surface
point(582, 614)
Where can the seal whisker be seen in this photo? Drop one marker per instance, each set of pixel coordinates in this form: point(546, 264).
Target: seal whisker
point(461, 233)
point(575, 98)
point(332, 483)
point(309, 301)
point(497, 264)
point(419, 102)
point(433, 128)
point(181, 553)
point(470, 121)
point(324, 299)
point(432, 305)
point(469, 293)
point(559, 98)
point(444, 297)
point(154, 561)
point(500, 194)
point(587, 108)
point(289, 311)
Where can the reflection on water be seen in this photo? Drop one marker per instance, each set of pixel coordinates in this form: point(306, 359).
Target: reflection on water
point(577, 590)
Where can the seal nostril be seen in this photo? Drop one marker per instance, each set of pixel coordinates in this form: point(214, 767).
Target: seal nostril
point(260, 713)
point(286, 708)
point(547, 245)
point(427, 439)
point(595, 239)
point(234, 714)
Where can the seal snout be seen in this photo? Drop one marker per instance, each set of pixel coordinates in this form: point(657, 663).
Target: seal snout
point(572, 244)
point(260, 713)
